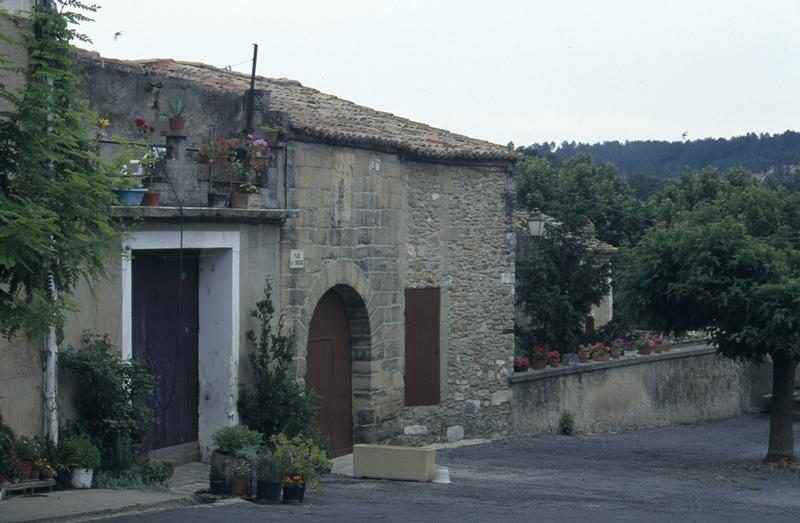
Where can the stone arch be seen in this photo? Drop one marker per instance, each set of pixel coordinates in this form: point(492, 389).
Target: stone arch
point(353, 287)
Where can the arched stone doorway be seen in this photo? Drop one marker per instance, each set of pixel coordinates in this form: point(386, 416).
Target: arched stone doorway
point(338, 328)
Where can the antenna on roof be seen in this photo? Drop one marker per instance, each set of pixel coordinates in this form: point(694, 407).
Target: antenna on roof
point(248, 127)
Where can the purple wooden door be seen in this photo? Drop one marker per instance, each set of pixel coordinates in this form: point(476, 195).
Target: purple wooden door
point(328, 372)
point(165, 327)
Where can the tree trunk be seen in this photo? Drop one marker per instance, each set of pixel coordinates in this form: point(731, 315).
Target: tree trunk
point(781, 435)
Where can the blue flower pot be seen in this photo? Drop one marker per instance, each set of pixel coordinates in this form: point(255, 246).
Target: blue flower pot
point(132, 197)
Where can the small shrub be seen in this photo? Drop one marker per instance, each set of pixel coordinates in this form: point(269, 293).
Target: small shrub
point(566, 425)
point(79, 452)
point(157, 472)
point(231, 439)
point(7, 442)
point(28, 448)
point(111, 399)
point(272, 468)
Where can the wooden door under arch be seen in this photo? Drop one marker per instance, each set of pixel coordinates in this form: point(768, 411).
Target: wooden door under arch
point(328, 371)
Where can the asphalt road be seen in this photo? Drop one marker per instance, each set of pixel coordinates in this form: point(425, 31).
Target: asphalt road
point(703, 472)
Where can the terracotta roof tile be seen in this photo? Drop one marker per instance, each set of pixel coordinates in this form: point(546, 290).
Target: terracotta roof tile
point(327, 117)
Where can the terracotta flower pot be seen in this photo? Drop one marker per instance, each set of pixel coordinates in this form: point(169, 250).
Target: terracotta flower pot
point(554, 362)
point(538, 364)
point(176, 123)
point(583, 357)
point(246, 200)
point(616, 353)
point(645, 352)
point(238, 486)
point(24, 467)
point(151, 198)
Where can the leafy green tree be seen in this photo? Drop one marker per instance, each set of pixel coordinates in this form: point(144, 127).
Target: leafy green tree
point(559, 277)
point(728, 268)
point(576, 189)
point(54, 199)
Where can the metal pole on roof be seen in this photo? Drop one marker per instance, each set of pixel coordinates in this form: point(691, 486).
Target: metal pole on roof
point(248, 128)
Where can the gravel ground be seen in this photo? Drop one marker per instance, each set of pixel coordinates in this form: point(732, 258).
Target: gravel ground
point(702, 472)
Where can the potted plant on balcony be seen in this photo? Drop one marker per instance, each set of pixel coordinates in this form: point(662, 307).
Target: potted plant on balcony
point(584, 351)
point(82, 456)
point(273, 133)
point(554, 358)
point(246, 196)
point(521, 364)
point(175, 116)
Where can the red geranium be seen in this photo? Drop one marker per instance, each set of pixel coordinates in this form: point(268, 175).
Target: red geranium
point(521, 361)
point(140, 122)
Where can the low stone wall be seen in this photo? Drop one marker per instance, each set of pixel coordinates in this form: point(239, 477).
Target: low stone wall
point(687, 384)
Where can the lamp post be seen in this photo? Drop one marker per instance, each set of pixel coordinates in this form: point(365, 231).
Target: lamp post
point(536, 223)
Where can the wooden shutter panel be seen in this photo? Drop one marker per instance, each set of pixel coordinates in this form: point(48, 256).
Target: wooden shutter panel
point(422, 347)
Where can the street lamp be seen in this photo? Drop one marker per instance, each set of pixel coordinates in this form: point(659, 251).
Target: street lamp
point(536, 223)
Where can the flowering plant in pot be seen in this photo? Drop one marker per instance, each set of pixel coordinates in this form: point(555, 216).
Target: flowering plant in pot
point(554, 358)
point(27, 452)
point(521, 364)
point(600, 352)
point(273, 133)
point(617, 348)
point(149, 162)
point(643, 346)
point(247, 196)
point(659, 345)
point(239, 483)
point(538, 360)
point(304, 459)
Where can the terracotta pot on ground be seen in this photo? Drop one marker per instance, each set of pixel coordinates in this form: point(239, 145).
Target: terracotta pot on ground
point(538, 364)
point(24, 467)
point(238, 486)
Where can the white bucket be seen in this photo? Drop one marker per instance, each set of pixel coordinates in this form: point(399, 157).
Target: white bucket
point(442, 475)
point(82, 478)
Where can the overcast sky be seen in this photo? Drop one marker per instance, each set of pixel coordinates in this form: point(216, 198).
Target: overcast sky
point(503, 70)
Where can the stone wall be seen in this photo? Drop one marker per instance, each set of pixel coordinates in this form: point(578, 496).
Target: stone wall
point(375, 224)
point(685, 385)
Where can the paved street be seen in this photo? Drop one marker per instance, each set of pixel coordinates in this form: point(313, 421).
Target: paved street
point(703, 472)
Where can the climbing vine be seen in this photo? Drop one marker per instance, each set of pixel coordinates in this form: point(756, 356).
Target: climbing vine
point(54, 198)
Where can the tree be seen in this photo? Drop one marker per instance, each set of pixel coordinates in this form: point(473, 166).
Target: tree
point(725, 268)
point(276, 403)
point(559, 278)
point(576, 189)
point(54, 198)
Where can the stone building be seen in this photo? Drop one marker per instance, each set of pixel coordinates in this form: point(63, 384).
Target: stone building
point(389, 244)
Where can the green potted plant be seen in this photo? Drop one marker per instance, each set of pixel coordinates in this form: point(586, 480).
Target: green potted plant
point(269, 477)
point(82, 456)
point(230, 441)
point(26, 455)
point(217, 479)
point(584, 351)
point(246, 196)
point(305, 463)
point(175, 116)
point(643, 346)
point(273, 133)
point(600, 352)
point(539, 357)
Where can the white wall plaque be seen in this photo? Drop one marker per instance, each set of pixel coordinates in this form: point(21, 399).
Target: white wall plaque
point(297, 259)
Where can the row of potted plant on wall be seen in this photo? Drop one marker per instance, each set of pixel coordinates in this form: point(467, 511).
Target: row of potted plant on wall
point(541, 357)
point(232, 165)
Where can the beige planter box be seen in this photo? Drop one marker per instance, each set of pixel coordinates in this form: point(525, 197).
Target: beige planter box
point(392, 462)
